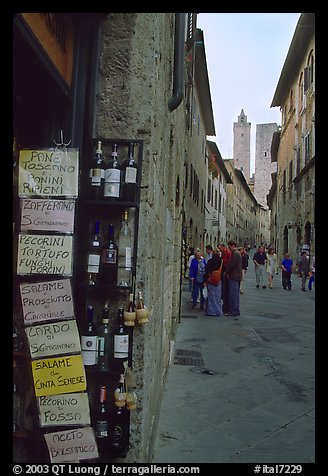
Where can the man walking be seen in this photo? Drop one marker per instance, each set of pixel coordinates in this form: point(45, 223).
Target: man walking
point(286, 266)
point(234, 276)
point(259, 260)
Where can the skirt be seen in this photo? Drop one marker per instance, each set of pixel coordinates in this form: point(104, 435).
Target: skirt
point(214, 306)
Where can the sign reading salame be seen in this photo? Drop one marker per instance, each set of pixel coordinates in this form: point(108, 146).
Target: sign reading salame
point(46, 301)
point(47, 215)
point(53, 339)
point(45, 254)
point(65, 409)
point(48, 172)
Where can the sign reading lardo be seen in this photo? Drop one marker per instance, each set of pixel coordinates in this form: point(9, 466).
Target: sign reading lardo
point(71, 445)
point(45, 254)
point(48, 172)
point(47, 215)
point(53, 339)
point(63, 374)
point(67, 409)
point(46, 301)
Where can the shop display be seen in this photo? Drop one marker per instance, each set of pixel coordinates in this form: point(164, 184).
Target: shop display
point(129, 176)
point(89, 340)
point(94, 256)
point(103, 343)
point(97, 174)
point(109, 260)
point(112, 187)
point(120, 343)
point(124, 277)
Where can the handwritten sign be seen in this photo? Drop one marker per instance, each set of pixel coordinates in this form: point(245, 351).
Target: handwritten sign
point(48, 172)
point(63, 374)
point(45, 254)
point(71, 445)
point(53, 339)
point(47, 215)
point(68, 409)
point(46, 301)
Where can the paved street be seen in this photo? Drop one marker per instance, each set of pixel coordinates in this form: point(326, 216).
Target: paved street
point(241, 390)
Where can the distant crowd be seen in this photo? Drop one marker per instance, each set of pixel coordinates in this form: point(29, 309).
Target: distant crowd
point(216, 279)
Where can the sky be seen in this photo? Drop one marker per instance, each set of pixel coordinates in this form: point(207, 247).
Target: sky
point(245, 54)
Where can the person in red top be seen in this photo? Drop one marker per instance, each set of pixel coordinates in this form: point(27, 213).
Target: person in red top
point(226, 255)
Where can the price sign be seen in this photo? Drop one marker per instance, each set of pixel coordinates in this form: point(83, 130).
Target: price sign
point(47, 215)
point(71, 445)
point(67, 409)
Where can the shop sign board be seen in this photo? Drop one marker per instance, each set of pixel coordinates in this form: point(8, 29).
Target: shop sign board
point(56, 338)
point(64, 410)
point(48, 172)
point(63, 374)
point(72, 446)
point(45, 254)
point(46, 301)
point(47, 215)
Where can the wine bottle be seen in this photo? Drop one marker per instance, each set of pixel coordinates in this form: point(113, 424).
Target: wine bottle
point(97, 174)
point(118, 431)
point(109, 260)
point(112, 185)
point(124, 276)
point(120, 393)
point(104, 340)
point(94, 256)
point(120, 343)
point(102, 421)
point(89, 340)
point(129, 170)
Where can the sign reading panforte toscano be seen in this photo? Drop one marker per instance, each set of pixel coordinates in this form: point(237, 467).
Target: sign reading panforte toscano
point(48, 172)
point(53, 339)
point(45, 254)
point(71, 445)
point(46, 301)
point(47, 215)
point(63, 374)
point(67, 409)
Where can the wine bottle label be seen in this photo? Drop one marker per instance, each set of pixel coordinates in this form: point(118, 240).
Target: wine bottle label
point(109, 256)
point(101, 428)
point(93, 263)
point(96, 175)
point(89, 350)
point(101, 345)
point(112, 183)
point(121, 346)
point(128, 257)
point(130, 175)
point(117, 433)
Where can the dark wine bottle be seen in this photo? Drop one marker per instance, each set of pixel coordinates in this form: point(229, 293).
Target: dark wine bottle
point(109, 260)
point(104, 340)
point(112, 184)
point(120, 347)
point(97, 174)
point(94, 256)
point(129, 172)
point(119, 431)
point(102, 422)
point(89, 340)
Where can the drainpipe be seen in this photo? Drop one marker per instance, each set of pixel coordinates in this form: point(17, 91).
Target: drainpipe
point(179, 61)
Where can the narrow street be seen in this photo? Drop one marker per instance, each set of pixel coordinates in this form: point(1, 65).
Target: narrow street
point(241, 390)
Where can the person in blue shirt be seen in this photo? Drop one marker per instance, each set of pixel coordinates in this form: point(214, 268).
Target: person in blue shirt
point(196, 273)
point(287, 266)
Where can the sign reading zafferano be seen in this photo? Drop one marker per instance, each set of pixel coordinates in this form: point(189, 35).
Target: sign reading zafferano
point(48, 172)
point(45, 254)
point(58, 375)
point(67, 409)
point(47, 215)
point(53, 339)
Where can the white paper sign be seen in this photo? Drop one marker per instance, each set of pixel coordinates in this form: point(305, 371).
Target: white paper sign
point(46, 301)
point(53, 339)
point(47, 215)
point(64, 410)
point(72, 445)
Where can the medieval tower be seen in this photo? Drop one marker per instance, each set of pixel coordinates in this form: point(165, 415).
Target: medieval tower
point(242, 145)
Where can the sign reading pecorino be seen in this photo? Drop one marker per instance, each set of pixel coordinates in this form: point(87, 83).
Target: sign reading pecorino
point(48, 172)
point(47, 215)
point(72, 445)
point(45, 254)
point(46, 301)
point(67, 409)
point(63, 374)
point(55, 338)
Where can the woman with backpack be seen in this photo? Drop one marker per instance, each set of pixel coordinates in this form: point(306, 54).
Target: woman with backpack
point(212, 282)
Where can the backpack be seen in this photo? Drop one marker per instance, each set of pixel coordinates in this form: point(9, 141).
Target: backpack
point(215, 276)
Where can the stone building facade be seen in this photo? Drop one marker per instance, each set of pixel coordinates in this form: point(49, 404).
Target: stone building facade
point(242, 144)
point(294, 146)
